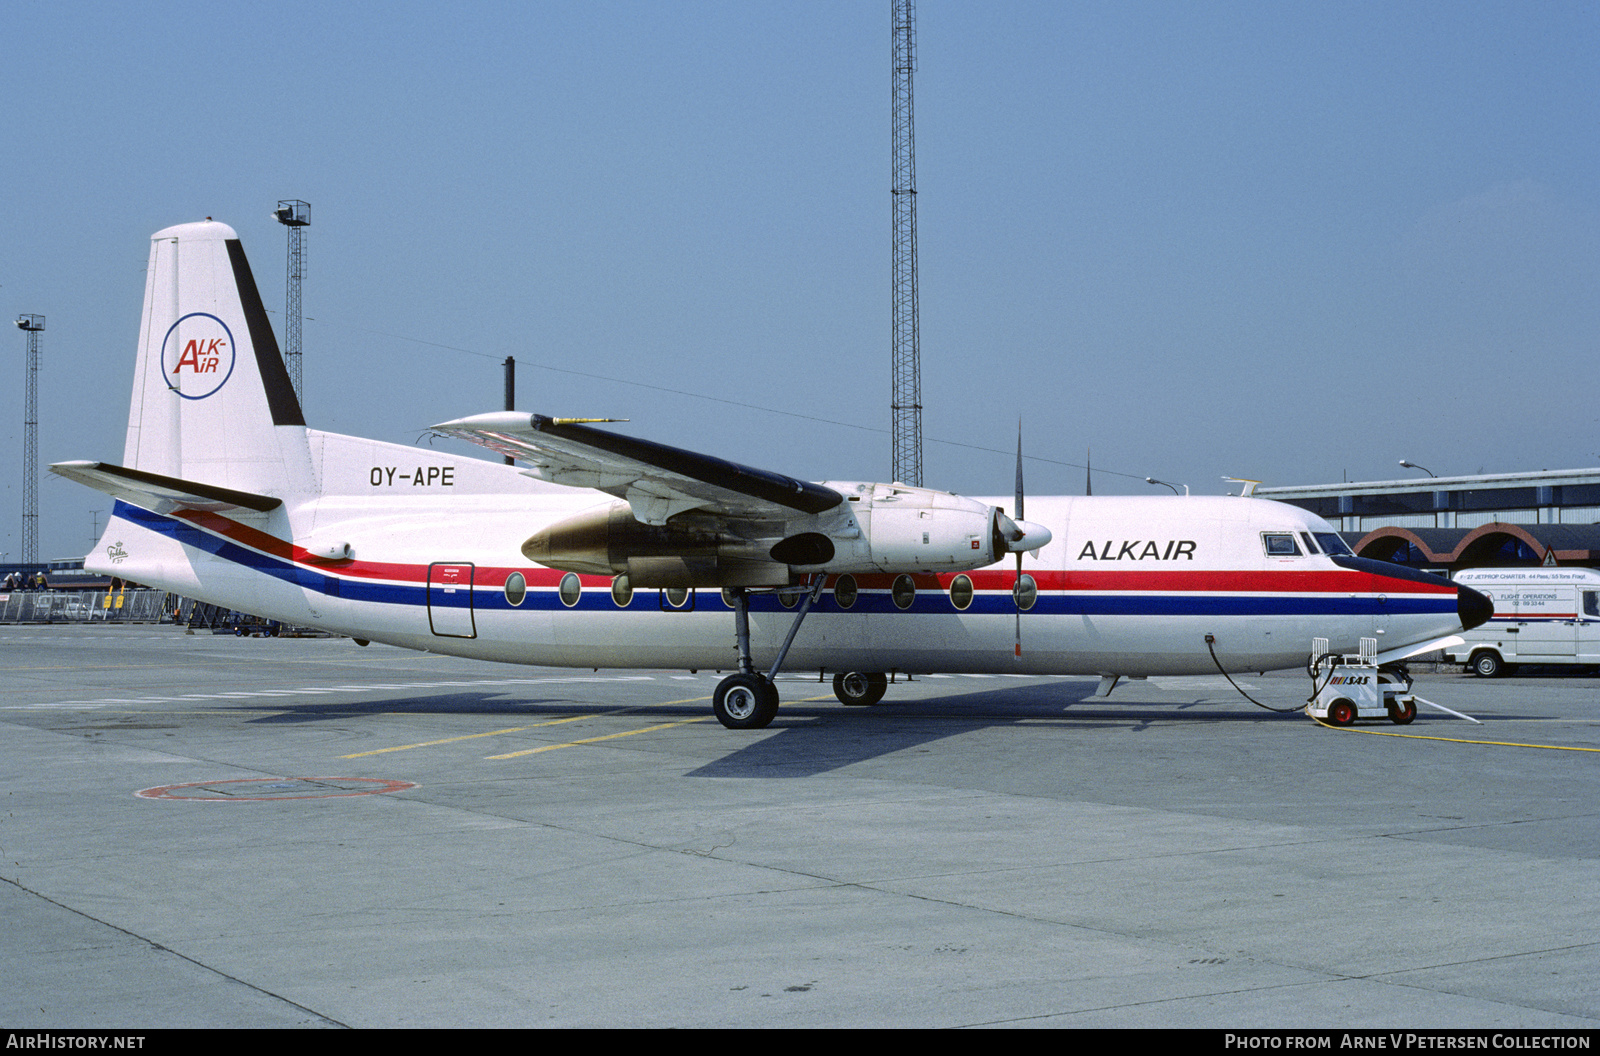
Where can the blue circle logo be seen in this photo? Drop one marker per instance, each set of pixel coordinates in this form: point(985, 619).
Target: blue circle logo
point(197, 355)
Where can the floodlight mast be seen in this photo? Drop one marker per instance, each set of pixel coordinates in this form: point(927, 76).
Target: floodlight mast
point(906, 368)
point(296, 216)
point(33, 326)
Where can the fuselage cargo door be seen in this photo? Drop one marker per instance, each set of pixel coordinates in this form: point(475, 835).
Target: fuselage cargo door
point(450, 600)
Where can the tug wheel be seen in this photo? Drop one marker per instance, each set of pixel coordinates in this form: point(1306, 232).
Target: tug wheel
point(1342, 712)
point(1402, 716)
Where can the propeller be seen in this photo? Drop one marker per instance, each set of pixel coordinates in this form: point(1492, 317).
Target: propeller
point(1020, 517)
point(1019, 535)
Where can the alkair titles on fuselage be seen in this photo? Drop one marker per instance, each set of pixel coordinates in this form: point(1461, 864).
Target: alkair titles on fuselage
point(1139, 550)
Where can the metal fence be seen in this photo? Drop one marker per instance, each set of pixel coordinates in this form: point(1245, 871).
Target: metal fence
point(137, 606)
point(89, 606)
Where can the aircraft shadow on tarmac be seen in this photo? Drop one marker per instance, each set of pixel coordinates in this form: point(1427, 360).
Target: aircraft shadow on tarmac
point(813, 737)
point(856, 735)
point(278, 713)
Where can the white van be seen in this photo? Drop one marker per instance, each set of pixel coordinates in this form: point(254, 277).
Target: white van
point(1541, 616)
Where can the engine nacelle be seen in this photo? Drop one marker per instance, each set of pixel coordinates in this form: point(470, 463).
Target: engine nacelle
point(888, 528)
point(609, 541)
point(896, 528)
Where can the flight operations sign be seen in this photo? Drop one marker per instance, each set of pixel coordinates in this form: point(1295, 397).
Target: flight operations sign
point(197, 356)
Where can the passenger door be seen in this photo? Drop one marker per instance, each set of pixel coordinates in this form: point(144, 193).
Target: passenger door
point(450, 600)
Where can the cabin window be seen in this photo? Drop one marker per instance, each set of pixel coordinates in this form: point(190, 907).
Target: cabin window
point(676, 597)
point(621, 591)
point(1280, 544)
point(844, 591)
point(570, 590)
point(1025, 592)
point(961, 592)
point(788, 600)
point(516, 589)
point(904, 591)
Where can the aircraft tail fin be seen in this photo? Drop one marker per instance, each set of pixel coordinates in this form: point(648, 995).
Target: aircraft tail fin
point(212, 401)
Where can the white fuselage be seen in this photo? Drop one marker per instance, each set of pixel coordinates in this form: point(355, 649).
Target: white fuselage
point(1125, 586)
point(226, 496)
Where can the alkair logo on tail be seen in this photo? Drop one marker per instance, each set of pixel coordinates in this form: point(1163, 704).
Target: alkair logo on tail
point(197, 356)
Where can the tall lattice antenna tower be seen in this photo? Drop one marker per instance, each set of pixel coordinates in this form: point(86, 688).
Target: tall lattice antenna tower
point(33, 326)
point(296, 216)
point(906, 398)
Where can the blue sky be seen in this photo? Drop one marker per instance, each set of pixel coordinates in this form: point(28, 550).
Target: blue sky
point(1290, 241)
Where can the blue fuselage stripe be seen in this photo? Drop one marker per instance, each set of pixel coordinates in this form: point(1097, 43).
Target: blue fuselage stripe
point(870, 603)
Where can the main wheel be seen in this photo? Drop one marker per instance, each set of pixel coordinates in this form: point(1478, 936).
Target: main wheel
point(1402, 716)
point(745, 702)
point(859, 689)
point(1487, 665)
point(1341, 712)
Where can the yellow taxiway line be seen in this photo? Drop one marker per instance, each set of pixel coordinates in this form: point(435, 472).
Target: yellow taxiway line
point(1455, 740)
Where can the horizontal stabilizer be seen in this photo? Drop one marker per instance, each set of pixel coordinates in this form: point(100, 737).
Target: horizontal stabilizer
point(160, 494)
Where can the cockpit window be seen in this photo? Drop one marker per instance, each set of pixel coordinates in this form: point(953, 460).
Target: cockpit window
point(1305, 537)
point(1331, 543)
point(1280, 544)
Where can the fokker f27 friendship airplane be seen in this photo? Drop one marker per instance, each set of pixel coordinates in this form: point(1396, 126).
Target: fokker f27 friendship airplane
point(600, 550)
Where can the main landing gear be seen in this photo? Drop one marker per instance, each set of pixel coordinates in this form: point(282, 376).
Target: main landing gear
point(748, 700)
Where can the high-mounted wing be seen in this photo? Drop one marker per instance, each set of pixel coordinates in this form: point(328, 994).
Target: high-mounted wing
point(658, 481)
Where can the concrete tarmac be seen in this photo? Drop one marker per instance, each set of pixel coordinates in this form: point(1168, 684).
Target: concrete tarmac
point(335, 836)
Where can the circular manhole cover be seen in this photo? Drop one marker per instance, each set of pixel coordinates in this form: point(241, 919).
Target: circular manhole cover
point(255, 789)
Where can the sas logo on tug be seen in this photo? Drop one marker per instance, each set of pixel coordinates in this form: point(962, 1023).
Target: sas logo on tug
point(197, 356)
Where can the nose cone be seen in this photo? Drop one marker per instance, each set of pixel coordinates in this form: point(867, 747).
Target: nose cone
point(1032, 536)
point(1474, 608)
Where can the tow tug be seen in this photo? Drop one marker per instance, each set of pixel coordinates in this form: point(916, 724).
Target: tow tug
point(1346, 688)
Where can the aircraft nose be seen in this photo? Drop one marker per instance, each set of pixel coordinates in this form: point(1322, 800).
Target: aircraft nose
point(1474, 608)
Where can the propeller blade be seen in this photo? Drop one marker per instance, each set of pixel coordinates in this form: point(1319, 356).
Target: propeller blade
point(1020, 513)
point(1017, 538)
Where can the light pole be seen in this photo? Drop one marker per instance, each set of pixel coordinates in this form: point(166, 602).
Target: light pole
point(1164, 484)
point(1413, 465)
point(31, 325)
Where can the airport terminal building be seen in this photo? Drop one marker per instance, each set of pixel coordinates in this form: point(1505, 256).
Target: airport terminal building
point(1454, 523)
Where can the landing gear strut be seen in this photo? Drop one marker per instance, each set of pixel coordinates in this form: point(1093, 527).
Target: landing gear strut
point(749, 700)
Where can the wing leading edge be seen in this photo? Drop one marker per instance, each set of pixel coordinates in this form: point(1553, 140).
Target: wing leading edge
point(657, 480)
